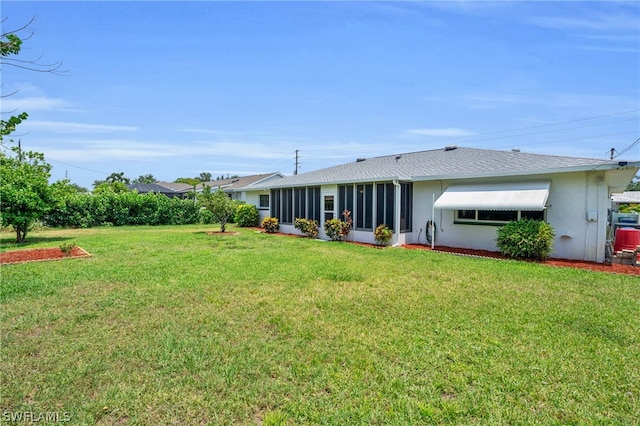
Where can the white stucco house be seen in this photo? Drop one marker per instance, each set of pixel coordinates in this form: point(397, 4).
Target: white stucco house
point(466, 192)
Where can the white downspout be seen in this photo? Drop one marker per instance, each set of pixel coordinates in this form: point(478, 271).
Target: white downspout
point(396, 216)
point(433, 220)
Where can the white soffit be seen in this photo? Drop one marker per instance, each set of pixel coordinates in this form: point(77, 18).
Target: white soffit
point(531, 196)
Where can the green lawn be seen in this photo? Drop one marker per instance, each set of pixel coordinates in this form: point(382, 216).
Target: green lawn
point(171, 325)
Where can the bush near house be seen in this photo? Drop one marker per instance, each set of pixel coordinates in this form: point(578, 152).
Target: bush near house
point(307, 227)
point(337, 229)
point(270, 224)
point(247, 215)
point(526, 239)
point(382, 234)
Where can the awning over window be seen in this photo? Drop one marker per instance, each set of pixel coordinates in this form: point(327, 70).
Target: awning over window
point(529, 196)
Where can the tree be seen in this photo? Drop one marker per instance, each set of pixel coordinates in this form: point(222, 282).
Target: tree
point(117, 187)
point(10, 45)
point(634, 185)
point(118, 177)
point(193, 182)
point(116, 182)
point(145, 179)
point(204, 177)
point(219, 204)
point(25, 193)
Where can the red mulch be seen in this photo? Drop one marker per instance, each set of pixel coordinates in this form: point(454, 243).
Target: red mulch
point(35, 255)
point(615, 268)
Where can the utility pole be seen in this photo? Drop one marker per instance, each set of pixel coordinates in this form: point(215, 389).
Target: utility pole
point(20, 150)
point(295, 172)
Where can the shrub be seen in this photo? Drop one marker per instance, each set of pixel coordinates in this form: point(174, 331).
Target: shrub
point(247, 215)
point(219, 204)
point(83, 210)
point(337, 229)
point(270, 224)
point(526, 239)
point(67, 248)
point(382, 235)
point(307, 227)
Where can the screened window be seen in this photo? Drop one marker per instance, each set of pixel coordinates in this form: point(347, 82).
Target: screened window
point(282, 205)
point(364, 207)
point(385, 201)
point(313, 203)
point(406, 207)
point(264, 201)
point(300, 203)
point(494, 217)
point(345, 199)
point(287, 206)
point(275, 203)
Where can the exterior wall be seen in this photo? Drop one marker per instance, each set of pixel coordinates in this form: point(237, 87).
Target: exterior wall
point(253, 197)
point(577, 210)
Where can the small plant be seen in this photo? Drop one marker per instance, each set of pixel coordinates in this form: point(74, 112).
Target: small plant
point(219, 204)
point(66, 248)
point(307, 227)
point(247, 215)
point(337, 229)
point(382, 235)
point(270, 224)
point(526, 239)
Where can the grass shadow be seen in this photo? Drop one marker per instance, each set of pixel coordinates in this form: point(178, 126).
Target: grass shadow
point(10, 243)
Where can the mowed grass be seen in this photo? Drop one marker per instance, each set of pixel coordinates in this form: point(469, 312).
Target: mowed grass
point(171, 325)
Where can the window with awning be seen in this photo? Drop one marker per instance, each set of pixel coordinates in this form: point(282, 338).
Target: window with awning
point(512, 196)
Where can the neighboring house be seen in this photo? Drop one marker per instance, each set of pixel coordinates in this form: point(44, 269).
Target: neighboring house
point(234, 186)
point(466, 192)
point(627, 197)
point(182, 190)
point(171, 190)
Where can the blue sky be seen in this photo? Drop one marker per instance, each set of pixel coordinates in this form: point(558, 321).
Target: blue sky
point(178, 88)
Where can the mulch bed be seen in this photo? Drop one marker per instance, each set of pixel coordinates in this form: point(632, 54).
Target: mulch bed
point(39, 255)
point(615, 268)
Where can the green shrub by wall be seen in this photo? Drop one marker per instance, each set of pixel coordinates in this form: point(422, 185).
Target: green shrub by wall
point(526, 239)
point(247, 215)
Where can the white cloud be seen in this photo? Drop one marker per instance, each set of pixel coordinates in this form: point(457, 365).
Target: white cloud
point(449, 132)
point(615, 22)
point(34, 103)
point(71, 127)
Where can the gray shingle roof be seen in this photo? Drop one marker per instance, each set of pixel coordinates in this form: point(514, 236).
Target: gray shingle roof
point(240, 182)
point(161, 187)
point(444, 164)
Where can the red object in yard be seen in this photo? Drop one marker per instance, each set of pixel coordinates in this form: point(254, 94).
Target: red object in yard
point(626, 239)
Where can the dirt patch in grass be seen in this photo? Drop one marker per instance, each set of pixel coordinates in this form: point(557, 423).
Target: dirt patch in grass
point(39, 255)
point(223, 234)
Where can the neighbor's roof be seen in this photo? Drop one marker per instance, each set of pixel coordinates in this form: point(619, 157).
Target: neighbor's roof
point(448, 163)
point(236, 183)
point(161, 187)
point(626, 197)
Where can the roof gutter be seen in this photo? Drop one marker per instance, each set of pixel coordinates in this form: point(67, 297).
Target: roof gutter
point(589, 168)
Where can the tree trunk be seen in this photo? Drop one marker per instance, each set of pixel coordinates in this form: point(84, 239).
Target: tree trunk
point(21, 234)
